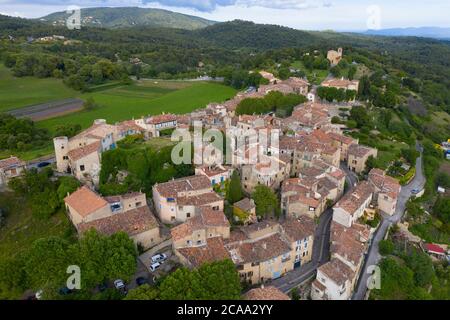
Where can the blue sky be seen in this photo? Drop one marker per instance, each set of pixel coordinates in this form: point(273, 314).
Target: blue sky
point(300, 14)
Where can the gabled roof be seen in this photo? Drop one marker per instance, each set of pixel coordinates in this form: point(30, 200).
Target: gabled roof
point(266, 293)
point(214, 250)
point(11, 162)
point(81, 152)
point(132, 222)
point(85, 201)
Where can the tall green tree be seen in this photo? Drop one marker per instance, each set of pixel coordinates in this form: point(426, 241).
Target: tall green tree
point(266, 201)
point(144, 292)
point(234, 191)
point(212, 281)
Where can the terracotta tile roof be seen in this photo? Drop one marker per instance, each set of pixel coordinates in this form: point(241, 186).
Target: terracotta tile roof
point(337, 174)
point(248, 230)
point(132, 222)
point(295, 81)
point(266, 293)
point(11, 162)
point(97, 131)
point(349, 243)
point(359, 150)
point(162, 118)
point(245, 205)
point(310, 114)
point(352, 201)
point(337, 271)
point(288, 143)
point(317, 284)
point(340, 83)
point(211, 172)
point(341, 138)
point(173, 187)
point(129, 125)
point(84, 151)
point(85, 201)
point(214, 250)
point(299, 229)
point(200, 200)
point(260, 250)
point(206, 218)
point(384, 183)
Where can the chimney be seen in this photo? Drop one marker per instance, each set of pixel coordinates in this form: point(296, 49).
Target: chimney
point(264, 246)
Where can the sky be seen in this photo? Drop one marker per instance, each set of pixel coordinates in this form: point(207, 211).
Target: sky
point(339, 15)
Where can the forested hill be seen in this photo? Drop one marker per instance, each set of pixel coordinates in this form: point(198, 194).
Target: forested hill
point(244, 34)
point(239, 45)
point(131, 16)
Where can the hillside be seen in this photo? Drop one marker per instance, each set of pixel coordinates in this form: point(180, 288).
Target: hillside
point(130, 17)
point(244, 34)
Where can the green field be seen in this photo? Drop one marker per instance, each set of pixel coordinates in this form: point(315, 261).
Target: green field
point(146, 98)
point(20, 92)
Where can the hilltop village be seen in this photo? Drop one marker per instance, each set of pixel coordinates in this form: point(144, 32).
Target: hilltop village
point(319, 174)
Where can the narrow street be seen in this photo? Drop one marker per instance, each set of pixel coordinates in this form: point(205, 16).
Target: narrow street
point(373, 257)
point(321, 248)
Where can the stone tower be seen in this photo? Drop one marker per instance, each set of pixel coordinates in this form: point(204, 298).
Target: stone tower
point(61, 149)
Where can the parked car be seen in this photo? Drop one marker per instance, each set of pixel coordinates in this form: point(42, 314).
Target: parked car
point(141, 281)
point(43, 164)
point(120, 285)
point(160, 257)
point(415, 191)
point(155, 266)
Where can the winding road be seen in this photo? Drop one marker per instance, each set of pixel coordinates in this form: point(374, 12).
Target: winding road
point(321, 248)
point(373, 257)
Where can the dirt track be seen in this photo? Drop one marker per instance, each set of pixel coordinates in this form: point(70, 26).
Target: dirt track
point(48, 110)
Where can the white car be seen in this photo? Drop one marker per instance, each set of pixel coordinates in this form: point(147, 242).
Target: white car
point(155, 266)
point(119, 285)
point(160, 257)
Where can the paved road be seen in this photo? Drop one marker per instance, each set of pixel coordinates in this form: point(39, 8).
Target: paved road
point(373, 256)
point(321, 253)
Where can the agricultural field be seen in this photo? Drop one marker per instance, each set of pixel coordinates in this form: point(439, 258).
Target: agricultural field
point(144, 98)
point(20, 92)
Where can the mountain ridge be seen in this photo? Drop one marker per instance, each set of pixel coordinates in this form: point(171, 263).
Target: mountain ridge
point(123, 17)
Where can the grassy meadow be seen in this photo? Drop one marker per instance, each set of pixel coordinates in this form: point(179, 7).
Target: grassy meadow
point(20, 92)
point(144, 98)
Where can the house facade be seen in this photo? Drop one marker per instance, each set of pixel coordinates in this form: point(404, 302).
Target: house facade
point(178, 200)
point(10, 168)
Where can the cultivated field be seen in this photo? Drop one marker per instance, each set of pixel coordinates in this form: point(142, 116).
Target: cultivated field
point(145, 98)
